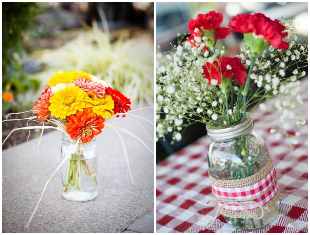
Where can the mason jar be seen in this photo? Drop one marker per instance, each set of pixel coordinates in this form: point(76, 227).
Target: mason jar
point(243, 177)
point(79, 170)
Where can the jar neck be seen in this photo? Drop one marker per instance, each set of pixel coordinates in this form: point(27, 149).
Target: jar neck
point(67, 139)
point(245, 127)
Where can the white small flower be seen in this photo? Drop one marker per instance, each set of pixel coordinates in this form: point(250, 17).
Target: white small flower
point(187, 44)
point(178, 136)
point(197, 39)
point(178, 122)
point(228, 67)
point(220, 101)
point(268, 77)
point(275, 81)
point(293, 57)
point(288, 52)
point(170, 89)
point(206, 53)
point(160, 98)
point(214, 104)
point(282, 73)
point(275, 92)
point(229, 112)
point(282, 65)
point(285, 59)
point(214, 116)
point(259, 84)
point(209, 112)
point(166, 110)
point(179, 50)
point(295, 71)
point(267, 87)
point(213, 82)
point(247, 62)
point(293, 78)
point(303, 73)
point(277, 59)
point(260, 78)
point(169, 129)
point(199, 110)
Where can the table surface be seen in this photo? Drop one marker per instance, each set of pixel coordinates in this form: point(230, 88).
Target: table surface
point(119, 204)
point(182, 179)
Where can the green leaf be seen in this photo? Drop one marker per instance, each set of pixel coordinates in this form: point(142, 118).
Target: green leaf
point(255, 44)
point(209, 38)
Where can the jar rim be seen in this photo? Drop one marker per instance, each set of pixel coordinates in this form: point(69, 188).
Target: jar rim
point(67, 139)
point(231, 132)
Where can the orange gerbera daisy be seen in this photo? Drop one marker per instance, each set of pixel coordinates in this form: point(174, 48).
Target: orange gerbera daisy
point(84, 125)
point(40, 107)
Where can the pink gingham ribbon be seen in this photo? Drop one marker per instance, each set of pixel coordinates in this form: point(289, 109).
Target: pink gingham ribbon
point(248, 197)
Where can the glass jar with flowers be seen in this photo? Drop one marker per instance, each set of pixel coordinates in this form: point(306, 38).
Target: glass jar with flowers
point(78, 104)
point(198, 81)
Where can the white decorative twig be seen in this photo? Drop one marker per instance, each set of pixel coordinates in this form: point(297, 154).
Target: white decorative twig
point(135, 137)
point(125, 152)
point(45, 187)
point(31, 128)
point(9, 114)
point(141, 118)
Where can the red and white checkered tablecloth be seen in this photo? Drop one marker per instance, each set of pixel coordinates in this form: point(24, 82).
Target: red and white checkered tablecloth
point(183, 186)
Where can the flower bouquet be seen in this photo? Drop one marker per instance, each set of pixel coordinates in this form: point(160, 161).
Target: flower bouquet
point(79, 104)
point(199, 81)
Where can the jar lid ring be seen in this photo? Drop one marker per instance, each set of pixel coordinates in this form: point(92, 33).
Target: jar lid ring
point(231, 132)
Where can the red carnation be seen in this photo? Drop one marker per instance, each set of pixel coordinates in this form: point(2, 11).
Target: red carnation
point(228, 67)
point(259, 24)
point(212, 73)
point(209, 21)
point(121, 103)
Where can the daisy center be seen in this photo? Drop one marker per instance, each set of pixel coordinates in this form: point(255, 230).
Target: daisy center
point(87, 132)
point(69, 100)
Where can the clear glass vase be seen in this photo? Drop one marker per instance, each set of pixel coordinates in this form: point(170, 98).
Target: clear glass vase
point(79, 171)
point(236, 155)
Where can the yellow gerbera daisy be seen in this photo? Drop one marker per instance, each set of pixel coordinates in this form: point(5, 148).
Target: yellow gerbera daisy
point(68, 101)
point(67, 77)
point(103, 106)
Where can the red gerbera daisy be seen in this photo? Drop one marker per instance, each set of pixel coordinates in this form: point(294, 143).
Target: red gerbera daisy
point(121, 103)
point(84, 125)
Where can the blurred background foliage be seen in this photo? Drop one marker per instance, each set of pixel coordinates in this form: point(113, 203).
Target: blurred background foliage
point(15, 81)
point(113, 41)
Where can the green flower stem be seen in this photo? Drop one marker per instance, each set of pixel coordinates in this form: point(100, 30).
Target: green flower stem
point(247, 85)
point(76, 166)
point(252, 223)
point(242, 150)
